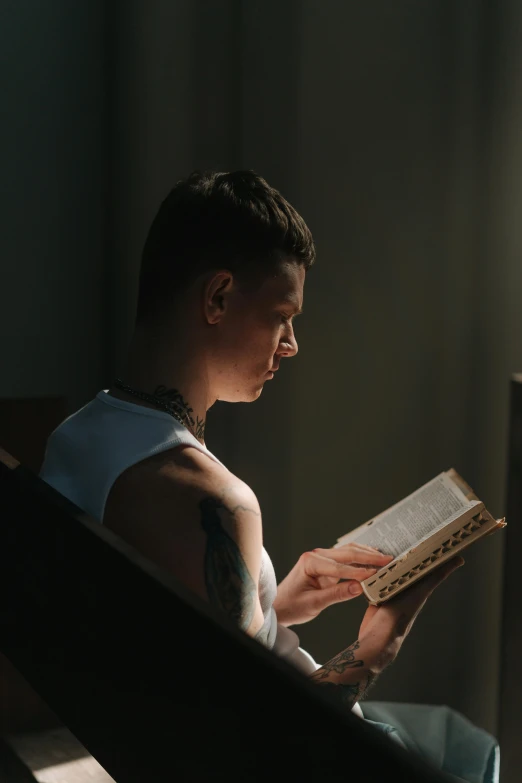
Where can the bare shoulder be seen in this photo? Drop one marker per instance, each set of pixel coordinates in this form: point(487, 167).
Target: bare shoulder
point(177, 506)
point(182, 473)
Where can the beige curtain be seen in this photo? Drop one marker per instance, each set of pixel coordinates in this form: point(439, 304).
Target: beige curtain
point(395, 128)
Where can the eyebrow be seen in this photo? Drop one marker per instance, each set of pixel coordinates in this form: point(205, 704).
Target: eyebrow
point(291, 302)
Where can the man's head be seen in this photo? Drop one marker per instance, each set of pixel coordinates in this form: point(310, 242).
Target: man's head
point(224, 265)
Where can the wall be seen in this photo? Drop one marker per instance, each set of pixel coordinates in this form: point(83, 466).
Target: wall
point(389, 101)
point(394, 129)
point(54, 176)
point(370, 120)
point(388, 144)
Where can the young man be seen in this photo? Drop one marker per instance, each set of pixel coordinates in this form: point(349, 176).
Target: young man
point(221, 282)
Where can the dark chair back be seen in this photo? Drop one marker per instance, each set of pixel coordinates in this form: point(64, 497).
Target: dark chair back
point(152, 682)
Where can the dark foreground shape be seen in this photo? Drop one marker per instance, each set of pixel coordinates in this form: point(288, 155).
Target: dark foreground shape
point(152, 683)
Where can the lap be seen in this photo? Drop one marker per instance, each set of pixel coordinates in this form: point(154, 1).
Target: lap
point(441, 735)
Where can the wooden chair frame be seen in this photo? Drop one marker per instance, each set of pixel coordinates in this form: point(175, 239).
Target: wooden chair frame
point(151, 681)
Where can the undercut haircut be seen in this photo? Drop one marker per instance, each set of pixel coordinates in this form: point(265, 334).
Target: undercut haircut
point(218, 220)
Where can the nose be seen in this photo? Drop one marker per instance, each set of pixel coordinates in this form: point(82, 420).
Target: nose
point(288, 345)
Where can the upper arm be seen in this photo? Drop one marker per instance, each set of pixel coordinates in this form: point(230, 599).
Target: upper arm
point(231, 522)
point(200, 523)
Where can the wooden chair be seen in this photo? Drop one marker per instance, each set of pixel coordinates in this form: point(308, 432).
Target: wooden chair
point(510, 717)
point(150, 680)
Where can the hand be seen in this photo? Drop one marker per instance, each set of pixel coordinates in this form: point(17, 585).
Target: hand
point(385, 627)
point(383, 630)
point(315, 583)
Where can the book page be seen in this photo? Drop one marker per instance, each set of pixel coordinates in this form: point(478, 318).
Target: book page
point(414, 518)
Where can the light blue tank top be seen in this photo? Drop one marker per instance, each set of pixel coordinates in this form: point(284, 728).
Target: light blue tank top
point(89, 450)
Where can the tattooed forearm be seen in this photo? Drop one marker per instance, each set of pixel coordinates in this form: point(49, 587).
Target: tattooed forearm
point(229, 584)
point(349, 694)
point(345, 660)
point(346, 693)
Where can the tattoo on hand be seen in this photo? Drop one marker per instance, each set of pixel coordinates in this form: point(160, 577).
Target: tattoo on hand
point(229, 584)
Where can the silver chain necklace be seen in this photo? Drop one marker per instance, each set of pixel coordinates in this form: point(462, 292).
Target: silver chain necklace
point(154, 401)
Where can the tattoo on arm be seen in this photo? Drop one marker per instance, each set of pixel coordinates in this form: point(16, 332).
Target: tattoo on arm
point(349, 694)
point(346, 693)
point(345, 660)
point(229, 584)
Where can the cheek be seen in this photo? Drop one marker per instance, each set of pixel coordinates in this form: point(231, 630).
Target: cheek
point(261, 349)
point(256, 340)
point(271, 340)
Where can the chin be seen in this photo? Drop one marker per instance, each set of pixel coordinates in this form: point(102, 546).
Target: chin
point(245, 396)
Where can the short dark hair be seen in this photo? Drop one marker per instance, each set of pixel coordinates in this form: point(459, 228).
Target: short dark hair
point(234, 220)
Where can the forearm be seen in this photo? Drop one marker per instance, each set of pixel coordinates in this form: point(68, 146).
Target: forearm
point(347, 676)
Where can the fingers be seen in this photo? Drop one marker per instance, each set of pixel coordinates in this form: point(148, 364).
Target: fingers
point(343, 591)
point(318, 565)
point(351, 561)
point(356, 554)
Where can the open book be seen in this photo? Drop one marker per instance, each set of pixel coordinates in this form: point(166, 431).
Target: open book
point(431, 525)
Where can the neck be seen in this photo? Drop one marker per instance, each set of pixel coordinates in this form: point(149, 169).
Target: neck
point(174, 377)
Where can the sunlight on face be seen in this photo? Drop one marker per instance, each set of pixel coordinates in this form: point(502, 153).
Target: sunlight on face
point(259, 333)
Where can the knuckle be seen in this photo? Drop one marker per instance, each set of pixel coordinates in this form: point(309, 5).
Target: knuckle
point(341, 592)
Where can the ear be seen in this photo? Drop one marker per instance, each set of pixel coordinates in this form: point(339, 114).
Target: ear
point(217, 292)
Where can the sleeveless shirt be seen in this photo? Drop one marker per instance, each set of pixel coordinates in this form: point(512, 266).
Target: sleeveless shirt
point(87, 452)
